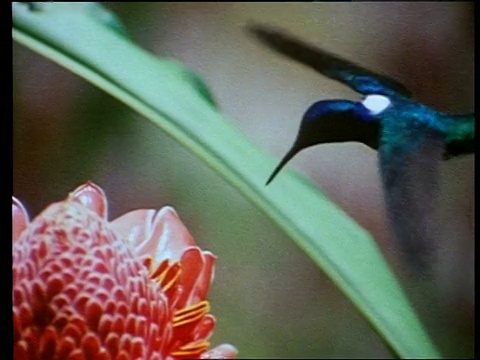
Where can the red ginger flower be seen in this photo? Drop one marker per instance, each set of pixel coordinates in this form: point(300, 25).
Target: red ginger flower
point(86, 288)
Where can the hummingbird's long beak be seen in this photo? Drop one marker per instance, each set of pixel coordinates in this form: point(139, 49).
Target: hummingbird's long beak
point(290, 154)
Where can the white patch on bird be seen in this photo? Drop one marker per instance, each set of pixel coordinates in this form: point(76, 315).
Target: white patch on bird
point(376, 104)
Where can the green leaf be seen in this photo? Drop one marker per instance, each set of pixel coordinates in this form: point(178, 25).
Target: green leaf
point(179, 103)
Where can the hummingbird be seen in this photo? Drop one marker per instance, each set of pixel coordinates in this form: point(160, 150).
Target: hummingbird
point(411, 138)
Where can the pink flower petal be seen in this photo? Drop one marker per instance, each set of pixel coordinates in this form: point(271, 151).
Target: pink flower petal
point(192, 265)
point(205, 277)
point(196, 276)
point(164, 237)
point(204, 329)
point(20, 219)
point(172, 235)
point(225, 351)
point(135, 226)
point(92, 197)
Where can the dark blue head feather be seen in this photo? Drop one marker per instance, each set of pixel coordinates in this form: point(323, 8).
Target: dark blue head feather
point(331, 121)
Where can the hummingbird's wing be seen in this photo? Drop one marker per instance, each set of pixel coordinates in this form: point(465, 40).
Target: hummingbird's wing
point(409, 164)
point(332, 66)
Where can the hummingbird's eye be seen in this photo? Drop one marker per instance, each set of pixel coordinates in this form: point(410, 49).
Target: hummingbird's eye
point(376, 104)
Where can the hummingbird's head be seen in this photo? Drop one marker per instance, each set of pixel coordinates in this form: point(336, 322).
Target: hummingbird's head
point(330, 121)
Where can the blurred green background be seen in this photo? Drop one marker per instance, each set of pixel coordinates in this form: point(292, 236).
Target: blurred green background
point(270, 300)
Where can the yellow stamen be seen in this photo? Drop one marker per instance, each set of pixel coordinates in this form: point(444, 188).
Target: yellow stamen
point(159, 270)
point(165, 272)
point(176, 269)
point(190, 314)
point(191, 349)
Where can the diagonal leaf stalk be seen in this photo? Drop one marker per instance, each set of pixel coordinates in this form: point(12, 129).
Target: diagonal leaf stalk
point(174, 99)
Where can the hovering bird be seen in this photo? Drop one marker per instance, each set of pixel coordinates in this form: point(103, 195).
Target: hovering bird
point(410, 137)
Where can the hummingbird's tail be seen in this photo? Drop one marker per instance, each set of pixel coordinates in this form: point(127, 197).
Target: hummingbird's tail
point(460, 135)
